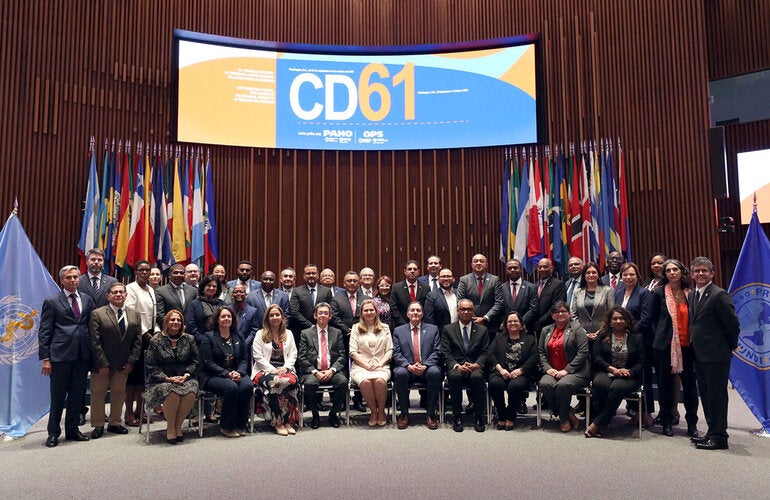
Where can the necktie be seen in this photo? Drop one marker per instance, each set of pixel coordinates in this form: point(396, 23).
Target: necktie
point(353, 304)
point(324, 352)
point(481, 286)
point(540, 288)
point(95, 283)
point(697, 301)
point(121, 322)
point(411, 293)
point(513, 291)
point(570, 290)
point(614, 282)
point(268, 299)
point(312, 296)
point(180, 294)
point(416, 345)
point(466, 337)
point(75, 306)
point(435, 284)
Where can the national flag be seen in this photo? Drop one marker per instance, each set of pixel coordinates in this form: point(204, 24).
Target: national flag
point(578, 191)
point(505, 209)
point(178, 220)
point(210, 241)
point(89, 230)
point(613, 238)
point(124, 213)
point(535, 240)
point(522, 226)
point(197, 251)
point(137, 239)
point(547, 204)
point(161, 234)
point(105, 207)
point(750, 288)
point(24, 391)
point(559, 229)
point(187, 194)
point(596, 247)
point(117, 192)
point(623, 226)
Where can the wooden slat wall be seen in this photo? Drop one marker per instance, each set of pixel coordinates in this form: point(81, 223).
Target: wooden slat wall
point(636, 71)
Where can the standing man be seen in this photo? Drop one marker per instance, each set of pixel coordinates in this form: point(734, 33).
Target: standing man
point(328, 279)
point(612, 276)
point(714, 329)
point(519, 295)
point(417, 358)
point(549, 291)
point(247, 317)
point(575, 266)
point(405, 292)
point(322, 361)
point(192, 275)
point(245, 271)
point(441, 304)
point(304, 299)
point(94, 283)
point(173, 295)
point(485, 291)
point(65, 351)
point(346, 305)
point(431, 279)
point(464, 345)
point(288, 277)
point(267, 295)
point(116, 341)
point(367, 282)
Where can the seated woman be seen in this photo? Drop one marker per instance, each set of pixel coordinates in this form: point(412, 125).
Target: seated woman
point(224, 371)
point(371, 348)
point(171, 360)
point(512, 360)
point(618, 362)
point(564, 360)
point(274, 355)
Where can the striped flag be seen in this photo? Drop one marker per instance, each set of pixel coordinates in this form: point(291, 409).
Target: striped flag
point(123, 232)
point(197, 251)
point(210, 241)
point(505, 210)
point(178, 220)
point(137, 236)
point(522, 226)
point(89, 231)
point(623, 226)
point(161, 235)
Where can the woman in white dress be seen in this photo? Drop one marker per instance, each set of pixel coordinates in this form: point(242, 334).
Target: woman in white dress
point(371, 348)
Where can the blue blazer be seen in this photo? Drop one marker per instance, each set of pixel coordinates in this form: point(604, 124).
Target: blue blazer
point(60, 336)
point(248, 323)
point(253, 284)
point(256, 300)
point(437, 309)
point(212, 356)
point(430, 345)
point(640, 306)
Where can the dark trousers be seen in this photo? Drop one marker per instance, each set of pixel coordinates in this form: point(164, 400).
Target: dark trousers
point(68, 388)
point(339, 382)
point(558, 393)
point(236, 398)
point(666, 386)
point(431, 377)
point(712, 382)
point(475, 382)
point(607, 393)
point(515, 388)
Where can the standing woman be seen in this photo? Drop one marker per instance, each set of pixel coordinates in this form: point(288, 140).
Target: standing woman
point(274, 356)
point(202, 308)
point(382, 300)
point(671, 347)
point(218, 271)
point(155, 277)
point(591, 301)
point(565, 363)
point(371, 348)
point(172, 357)
point(225, 371)
point(655, 272)
point(512, 361)
point(618, 358)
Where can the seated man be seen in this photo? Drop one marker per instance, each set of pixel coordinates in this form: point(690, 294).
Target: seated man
point(321, 361)
point(464, 345)
point(417, 356)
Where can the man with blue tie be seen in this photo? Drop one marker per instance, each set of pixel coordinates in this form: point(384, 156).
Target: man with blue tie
point(575, 266)
point(417, 358)
point(95, 283)
point(431, 279)
point(65, 352)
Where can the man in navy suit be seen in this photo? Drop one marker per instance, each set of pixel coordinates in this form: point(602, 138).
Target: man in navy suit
point(245, 270)
point(519, 295)
point(94, 283)
point(417, 358)
point(549, 291)
point(431, 279)
point(612, 275)
point(65, 352)
point(328, 279)
point(267, 295)
point(247, 319)
point(441, 304)
point(346, 305)
point(405, 292)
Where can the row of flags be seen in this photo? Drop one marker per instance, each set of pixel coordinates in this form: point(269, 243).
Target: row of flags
point(560, 204)
point(153, 203)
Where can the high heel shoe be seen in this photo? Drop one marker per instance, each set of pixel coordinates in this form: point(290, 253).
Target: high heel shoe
point(281, 430)
point(573, 420)
point(593, 432)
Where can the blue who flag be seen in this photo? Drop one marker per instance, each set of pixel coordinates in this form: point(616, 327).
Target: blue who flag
point(24, 392)
point(750, 288)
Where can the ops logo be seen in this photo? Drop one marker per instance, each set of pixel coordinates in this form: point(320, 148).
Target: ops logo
point(18, 330)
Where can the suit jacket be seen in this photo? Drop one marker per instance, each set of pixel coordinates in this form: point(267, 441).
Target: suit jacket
point(490, 303)
point(257, 300)
point(525, 304)
point(553, 291)
point(343, 317)
point(640, 306)
point(529, 356)
point(100, 296)
point(663, 328)
point(61, 337)
point(430, 345)
point(196, 319)
point(602, 355)
point(400, 299)
point(249, 323)
point(714, 326)
point(426, 280)
point(606, 280)
point(604, 298)
point(253, 284)
point(212, 356)
point(308, 350)
point(167, 299)
point(437, 309)
point(302, 308)
point(575, 349)
point(110, 348)
point(453, 349)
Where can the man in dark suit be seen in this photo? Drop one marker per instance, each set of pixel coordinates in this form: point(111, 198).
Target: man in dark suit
point(267, 295)
point(431, 279)
point(486, 293)
point(441, 304)
point(417, 358)
point(464, 346)
point(549, 291)
point(287, 279)
point(94, 283)
point(575, 266)
point(248, 321)
point(65, 351)
point(303, 301)
point(368, 287)
point(612, 270)
point(173, 295)
point(519, 295)
point(322, 361)
point(714, 329)
point(245, 270)
point(405, 292)
point(116, 340)
point(346, 305)
point(328, 279)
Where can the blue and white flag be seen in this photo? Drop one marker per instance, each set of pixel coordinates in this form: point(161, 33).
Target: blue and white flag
point(750, 288)
point(24, 392)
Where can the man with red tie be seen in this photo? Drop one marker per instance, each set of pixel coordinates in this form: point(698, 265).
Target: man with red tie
point(612, 276)
point(407, 291)
point(486, 293)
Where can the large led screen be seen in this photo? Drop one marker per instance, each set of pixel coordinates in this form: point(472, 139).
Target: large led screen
point(265, 94)
point(754, 179)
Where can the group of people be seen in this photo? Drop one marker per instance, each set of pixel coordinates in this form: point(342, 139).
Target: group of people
point(603, 328)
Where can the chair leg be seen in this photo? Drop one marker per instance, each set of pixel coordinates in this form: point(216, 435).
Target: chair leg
point(201, 418)
point(537, 402)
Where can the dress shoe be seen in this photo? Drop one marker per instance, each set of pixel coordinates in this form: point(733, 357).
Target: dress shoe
point(82, 419)
point(457, 425)
point(359, 406)
point(523, 408)
point(228, 433)
point(699, 439)
point(667, 430)
point(501, 425)
point(403, 421)
point(470, 408)
point(334, 420)
point(315, 422)
point(117, 429)
point(480, 425)
point(647, 421)
point(52, 441)
point(180, 439)
point(431, 423)
point(566, 426)
point(573, 420)
point(712, 445)
point(172, 441)
point(97, 432)
point(692, 431)
point(77, 437)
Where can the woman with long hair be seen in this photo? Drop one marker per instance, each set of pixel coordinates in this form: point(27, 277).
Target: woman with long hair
point(382, 300)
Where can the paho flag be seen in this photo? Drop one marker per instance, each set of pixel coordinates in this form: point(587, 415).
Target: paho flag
point(750, 288)
point(24, 392)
